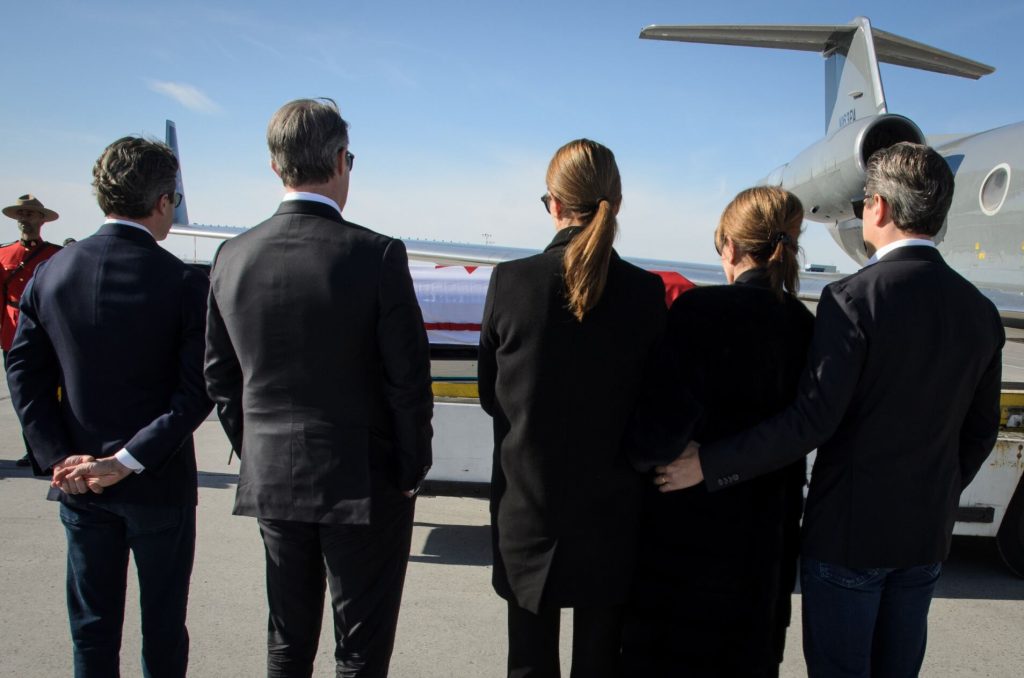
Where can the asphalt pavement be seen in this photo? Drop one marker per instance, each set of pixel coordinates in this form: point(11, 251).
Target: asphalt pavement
point(452, 624)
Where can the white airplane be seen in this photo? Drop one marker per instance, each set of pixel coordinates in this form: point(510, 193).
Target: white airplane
point(983, 239)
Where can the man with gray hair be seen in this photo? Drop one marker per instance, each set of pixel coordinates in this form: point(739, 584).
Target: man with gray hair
point(901, 398)
point(317, 360)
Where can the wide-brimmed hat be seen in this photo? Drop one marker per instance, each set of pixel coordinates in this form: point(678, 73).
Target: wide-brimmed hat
point(30, 202)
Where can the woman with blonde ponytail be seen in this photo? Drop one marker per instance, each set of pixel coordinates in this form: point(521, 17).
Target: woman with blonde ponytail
point(566, 338)
point(716, 571)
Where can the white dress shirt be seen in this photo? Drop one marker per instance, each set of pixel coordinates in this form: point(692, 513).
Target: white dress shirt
point(125, 222)
point(908, 242)
point(312, 197)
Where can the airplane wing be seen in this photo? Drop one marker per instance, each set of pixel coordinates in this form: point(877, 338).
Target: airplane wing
point(678, 276)
point(443, 253)
point(205, 231)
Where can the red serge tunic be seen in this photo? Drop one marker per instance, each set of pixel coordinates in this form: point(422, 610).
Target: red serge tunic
point(19, 263)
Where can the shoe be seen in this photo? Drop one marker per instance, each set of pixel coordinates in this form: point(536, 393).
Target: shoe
point(23, 462)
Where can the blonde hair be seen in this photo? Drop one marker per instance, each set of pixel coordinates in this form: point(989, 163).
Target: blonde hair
point(764, 222)
point(584, 179)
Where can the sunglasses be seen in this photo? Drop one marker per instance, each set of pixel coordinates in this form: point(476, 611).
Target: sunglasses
point(174, 198)
point(350, 159)
point(858, 208)
point(546, 199)
point(858, 205)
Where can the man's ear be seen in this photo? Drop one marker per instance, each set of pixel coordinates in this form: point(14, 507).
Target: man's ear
point(158, 208)
point(884, 211)
point(273, 166)
point(877, 214)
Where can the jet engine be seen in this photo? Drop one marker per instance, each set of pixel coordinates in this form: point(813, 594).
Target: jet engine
point(829, 176)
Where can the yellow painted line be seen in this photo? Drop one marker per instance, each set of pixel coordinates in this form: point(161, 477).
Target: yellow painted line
point(455, 389)
point(462, 389)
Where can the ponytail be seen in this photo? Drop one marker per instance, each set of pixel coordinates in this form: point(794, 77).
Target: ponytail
point(764, 223)
point(586, 261)
point(585, 180)
point(783, 267)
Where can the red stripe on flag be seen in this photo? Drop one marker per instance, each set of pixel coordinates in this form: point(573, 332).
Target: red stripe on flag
point(675, 285)
point(469, 269)
point(453, 327)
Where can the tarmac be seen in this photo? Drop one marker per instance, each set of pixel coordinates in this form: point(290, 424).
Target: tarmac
point(452, 624)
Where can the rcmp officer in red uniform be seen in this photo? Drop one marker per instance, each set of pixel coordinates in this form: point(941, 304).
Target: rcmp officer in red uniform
point(19, 260)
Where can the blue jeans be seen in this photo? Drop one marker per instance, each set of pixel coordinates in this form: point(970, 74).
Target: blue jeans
point(162, 539)
point(860, 623)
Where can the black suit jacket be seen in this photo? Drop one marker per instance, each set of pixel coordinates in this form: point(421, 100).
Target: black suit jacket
point(564, 499)
point(317, 360)
point(118, 323)
point(901, 398)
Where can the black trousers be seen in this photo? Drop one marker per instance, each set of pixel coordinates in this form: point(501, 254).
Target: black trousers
point(28, 449)
point(162, 542)
point(533, 642)
point(365, 567)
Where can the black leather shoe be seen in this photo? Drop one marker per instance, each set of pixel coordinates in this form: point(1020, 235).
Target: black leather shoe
point(23, 462)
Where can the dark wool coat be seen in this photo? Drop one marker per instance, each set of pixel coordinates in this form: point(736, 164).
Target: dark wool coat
point(716, 571)
point(564, 499)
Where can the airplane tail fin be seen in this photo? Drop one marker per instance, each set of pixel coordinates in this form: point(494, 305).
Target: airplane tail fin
point(181, 211)
point(853, 87)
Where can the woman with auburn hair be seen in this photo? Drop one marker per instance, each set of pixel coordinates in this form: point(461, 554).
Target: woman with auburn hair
point(716, 571)
point(567, 338)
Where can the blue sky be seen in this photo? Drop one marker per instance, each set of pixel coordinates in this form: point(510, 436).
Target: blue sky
point(456, 107)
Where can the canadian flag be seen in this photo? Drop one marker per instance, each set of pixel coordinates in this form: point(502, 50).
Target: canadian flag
point(452, 299)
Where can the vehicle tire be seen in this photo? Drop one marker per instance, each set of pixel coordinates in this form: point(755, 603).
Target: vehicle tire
point(1010, 538)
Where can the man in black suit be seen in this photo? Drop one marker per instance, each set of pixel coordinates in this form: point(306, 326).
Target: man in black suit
point(118, 323)
point(317, 360)
point(901, 398)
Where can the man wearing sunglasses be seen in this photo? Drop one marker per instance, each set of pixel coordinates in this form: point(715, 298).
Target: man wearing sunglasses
point(317, 360)
point(117, 323)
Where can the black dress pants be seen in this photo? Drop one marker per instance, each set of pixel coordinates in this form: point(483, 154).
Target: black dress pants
point(533, 642)
point(28, 449)
point(365, 566)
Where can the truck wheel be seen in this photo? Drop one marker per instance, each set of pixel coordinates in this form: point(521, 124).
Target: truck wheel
point(1010, 538)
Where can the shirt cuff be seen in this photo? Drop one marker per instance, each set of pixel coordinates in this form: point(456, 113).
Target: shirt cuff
point(126, 458)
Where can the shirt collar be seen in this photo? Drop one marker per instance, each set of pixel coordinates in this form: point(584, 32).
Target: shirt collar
point(125, 222)
point(311, 197)
point(907, 242)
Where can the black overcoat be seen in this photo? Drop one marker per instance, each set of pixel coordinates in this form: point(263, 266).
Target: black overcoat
point(716, 570)
point(564, 499)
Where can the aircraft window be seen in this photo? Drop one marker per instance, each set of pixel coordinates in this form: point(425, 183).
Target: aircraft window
point(994, 188)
